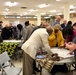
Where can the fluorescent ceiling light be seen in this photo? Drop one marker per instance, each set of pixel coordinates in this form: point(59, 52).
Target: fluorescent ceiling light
point(7, 9)
point(35, 17)
point(72, 11)
point(28, 17)
point(53, 11)
point(32, 10)
point(46, 17)
point(10, 4)
point(18, 17)
point(58, 0)
point(43, 13)
point(9, 16)
point(59, 14)
point(72, 6)
point(43, 5)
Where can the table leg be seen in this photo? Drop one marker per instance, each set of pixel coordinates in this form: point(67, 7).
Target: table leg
point(41, 70)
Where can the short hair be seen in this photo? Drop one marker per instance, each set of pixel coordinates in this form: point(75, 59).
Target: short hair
point(49, 29)
point(57, 26)
point(74, 24)
point(26, 23)
point(69, 22)
point(19, 26)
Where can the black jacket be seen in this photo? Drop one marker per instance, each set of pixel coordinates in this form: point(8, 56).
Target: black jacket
point(62, 25)
point(6, 33)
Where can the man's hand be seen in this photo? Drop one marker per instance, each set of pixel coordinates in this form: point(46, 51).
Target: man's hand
point(55, 57)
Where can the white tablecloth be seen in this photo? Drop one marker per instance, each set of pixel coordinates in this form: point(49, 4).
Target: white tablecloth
point(68, 59)
point(20, 42)
point(12, 41)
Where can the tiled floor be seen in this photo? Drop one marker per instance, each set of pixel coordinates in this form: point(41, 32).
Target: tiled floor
point(18, 64)
point(44, 72)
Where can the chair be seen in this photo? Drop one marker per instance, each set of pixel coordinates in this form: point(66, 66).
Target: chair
point(9, 69)
point(18, 54)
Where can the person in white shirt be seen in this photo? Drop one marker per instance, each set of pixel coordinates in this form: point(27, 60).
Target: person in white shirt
point(38, 39)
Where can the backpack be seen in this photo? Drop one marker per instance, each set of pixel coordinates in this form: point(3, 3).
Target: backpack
point(59, 68)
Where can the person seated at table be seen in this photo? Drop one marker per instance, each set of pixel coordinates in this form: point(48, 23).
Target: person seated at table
point(6, 33)
point(56, 38)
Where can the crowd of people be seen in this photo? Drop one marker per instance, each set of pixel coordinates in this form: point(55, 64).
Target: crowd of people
point(36, 37)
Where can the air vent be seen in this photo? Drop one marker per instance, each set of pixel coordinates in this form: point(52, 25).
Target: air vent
point(23, 7)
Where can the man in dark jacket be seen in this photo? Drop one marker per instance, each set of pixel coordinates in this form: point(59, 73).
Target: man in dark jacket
point(6, 33)
point(68, 26)
point(64, 23)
